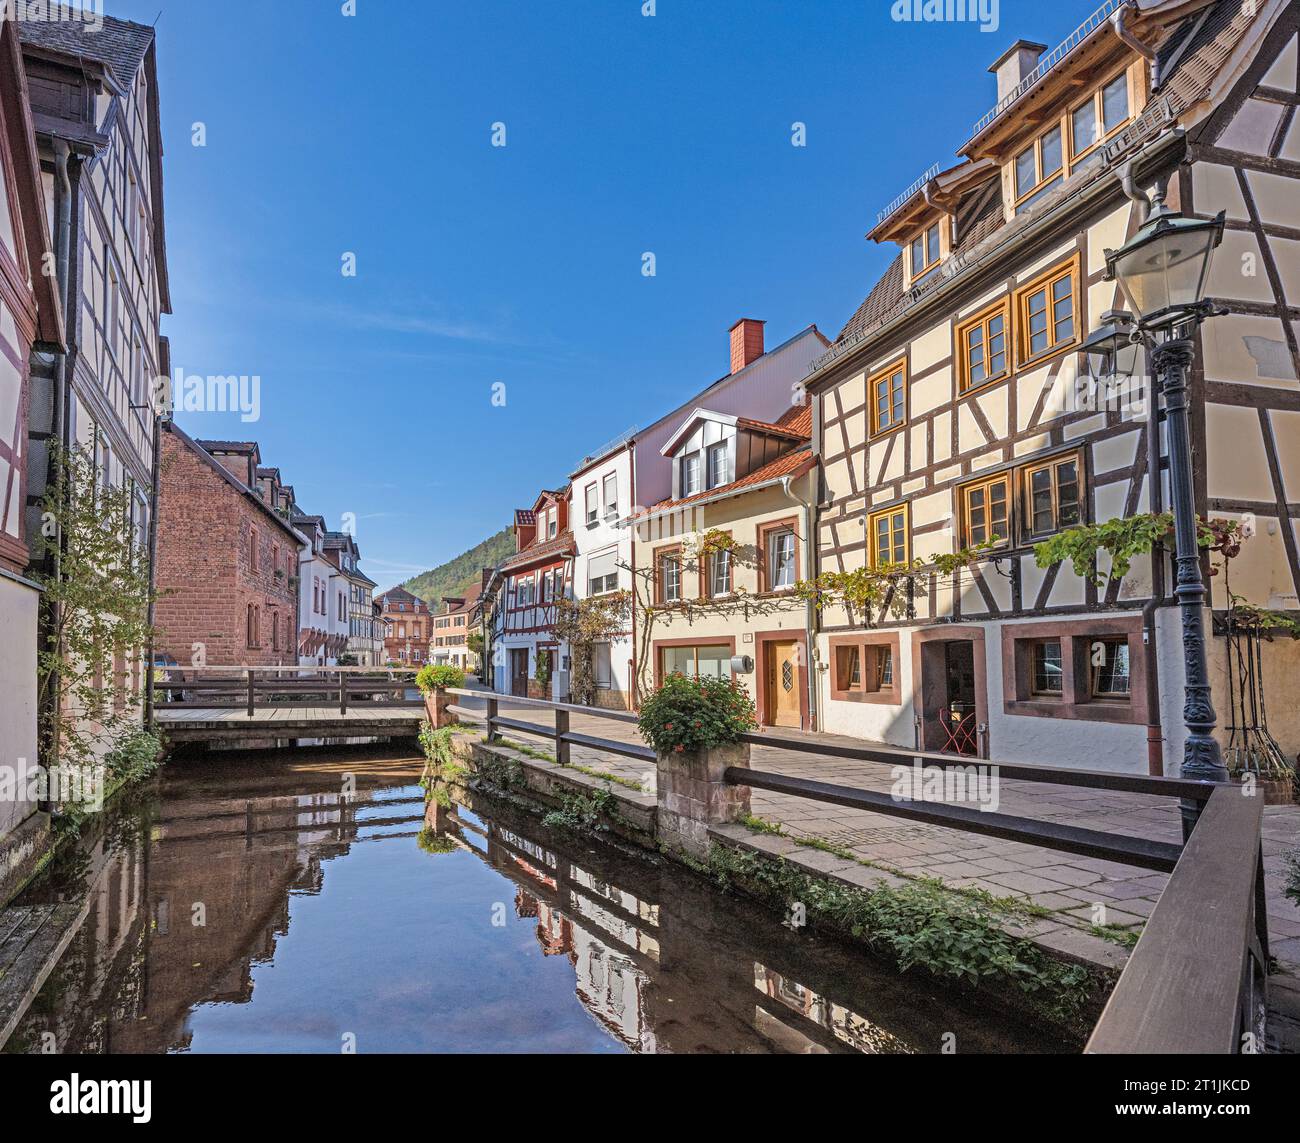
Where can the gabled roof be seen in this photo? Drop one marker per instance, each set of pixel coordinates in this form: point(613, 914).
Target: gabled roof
point(793, 464)
point(398, 594)
point(121, 44)
point(561, 545)
point(197, 448)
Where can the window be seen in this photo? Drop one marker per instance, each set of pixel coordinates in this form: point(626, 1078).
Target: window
point(670, 578)
point(611, 496)
point(1048, 672)
point(275, 632)
point(1046, 310)
point(111, 303)
point(888, 537)
point(882, 667)
point(1106, 110)
point(552, 523)
point(1110, 673)
point(712, 662)
point(1038, 167)
point(251, 625)
point(690, 478)
point(848, 668)
point(602, 666)
point(719, 570)
point(593, 510)
point(719, 468)
point(925, 251)
point(888, 399)
point(982, 348)
point(986, 511)
point(252, 549)
point(602, 574)
point(780, 552)
point(1051, 497)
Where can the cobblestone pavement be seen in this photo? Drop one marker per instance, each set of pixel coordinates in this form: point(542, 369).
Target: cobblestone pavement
point(1071, 887)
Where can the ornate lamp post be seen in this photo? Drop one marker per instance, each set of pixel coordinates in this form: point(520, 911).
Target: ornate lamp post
point(1162, 271)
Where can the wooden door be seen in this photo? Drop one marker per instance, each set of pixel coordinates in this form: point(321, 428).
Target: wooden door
point(782, 682)
point(519, 672)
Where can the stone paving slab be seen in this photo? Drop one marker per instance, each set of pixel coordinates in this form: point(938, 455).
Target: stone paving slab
point(1068, 885)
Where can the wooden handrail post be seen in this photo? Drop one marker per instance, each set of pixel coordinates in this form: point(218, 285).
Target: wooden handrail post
point(561, 729)
point(252, 697)
point(343, 692)
point(491, 721)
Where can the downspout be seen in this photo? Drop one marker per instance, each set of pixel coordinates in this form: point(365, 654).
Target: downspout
point(1119, 21)
point(153, 569)
point(810, 635)
point(63, 193)
point(633, 678)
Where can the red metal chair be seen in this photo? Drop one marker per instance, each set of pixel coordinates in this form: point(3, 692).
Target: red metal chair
point(959, 732)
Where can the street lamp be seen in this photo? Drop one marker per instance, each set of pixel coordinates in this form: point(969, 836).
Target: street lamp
point(1162, 271)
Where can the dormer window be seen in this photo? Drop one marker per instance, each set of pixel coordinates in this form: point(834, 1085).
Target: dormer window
point(925, 251)
point(1106, 110)
point(1038, 167)
point(690, 474)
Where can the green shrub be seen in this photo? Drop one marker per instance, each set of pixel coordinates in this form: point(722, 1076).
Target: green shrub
point(439, 676)
point(687, 714)
point(136, 756)
point(433, 842)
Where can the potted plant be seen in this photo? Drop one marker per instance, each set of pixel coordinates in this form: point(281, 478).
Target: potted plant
point(433, 679)
point(695, 727)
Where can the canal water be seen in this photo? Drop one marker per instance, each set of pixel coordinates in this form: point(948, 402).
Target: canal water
point(302, 901)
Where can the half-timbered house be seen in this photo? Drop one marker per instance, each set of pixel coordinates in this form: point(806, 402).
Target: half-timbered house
point(955, 410)
point(526, 587)
point(92, 89)
point(30, 317)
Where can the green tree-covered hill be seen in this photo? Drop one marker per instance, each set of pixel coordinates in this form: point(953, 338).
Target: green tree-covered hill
point(457, 576)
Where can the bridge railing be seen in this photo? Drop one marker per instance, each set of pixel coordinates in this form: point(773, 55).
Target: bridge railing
point(263, 687)
point(1194, 981)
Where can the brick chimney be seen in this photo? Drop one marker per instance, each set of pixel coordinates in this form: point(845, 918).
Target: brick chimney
point(1014, 64)
point(746, 343)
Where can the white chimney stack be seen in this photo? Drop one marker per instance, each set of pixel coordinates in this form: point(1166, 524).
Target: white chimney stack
point(1014, 64)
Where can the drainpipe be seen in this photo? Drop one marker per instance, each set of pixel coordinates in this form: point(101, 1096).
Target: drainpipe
point(809, 622)
point(1119, 21)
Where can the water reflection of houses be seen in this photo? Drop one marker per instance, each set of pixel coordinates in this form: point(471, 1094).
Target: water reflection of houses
point(182, 916)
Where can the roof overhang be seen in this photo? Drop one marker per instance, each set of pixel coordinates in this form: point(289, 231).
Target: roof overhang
point(691, 421)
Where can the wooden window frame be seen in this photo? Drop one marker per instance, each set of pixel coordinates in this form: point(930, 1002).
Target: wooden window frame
point(1091, 670)
point(895, 367)
point(914, 274)
point(765, 573)
point(1019, 199)
point(698, 454)
point(1076, 700)
point(1025, 515)
point(872, 539)
point(1007, 477)
point(870, 647)
point(1045, 281)
point(961, 351)
point(660, 554)
point(590, 497)
point(1095, 98)
point(705, 571)
point(1032, 681)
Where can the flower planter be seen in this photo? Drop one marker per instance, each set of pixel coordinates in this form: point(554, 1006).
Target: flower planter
point(435, 708)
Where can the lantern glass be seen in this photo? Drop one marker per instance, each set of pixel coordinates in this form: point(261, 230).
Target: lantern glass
point(1163, 270)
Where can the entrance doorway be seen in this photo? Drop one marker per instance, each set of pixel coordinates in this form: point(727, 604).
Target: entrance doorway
point(950, 698)
point(519, 672)
point(782, 699)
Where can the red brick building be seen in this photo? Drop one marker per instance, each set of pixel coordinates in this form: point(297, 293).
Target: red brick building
point(408, 626)
point(227, 559)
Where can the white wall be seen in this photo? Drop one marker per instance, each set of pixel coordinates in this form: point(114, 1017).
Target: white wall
point(18, 605)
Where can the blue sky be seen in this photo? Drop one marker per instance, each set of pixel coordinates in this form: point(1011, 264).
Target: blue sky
point(521, 264)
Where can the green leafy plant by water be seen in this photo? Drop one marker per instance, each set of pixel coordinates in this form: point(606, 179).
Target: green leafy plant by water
point(431, 841)
point(583, 813)
point(918, 925)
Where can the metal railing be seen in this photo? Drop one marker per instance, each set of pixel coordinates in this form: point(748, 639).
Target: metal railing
point(264, 687)
point(1049, 61)
point(1195, 979)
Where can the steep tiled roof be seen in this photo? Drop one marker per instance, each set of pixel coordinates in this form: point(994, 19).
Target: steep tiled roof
point(561, 545)
point(769, 428)
point(798, 418)
point(792, 463)
point(121, 44)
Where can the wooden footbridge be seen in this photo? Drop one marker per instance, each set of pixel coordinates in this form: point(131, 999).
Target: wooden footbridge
point(247, 705)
